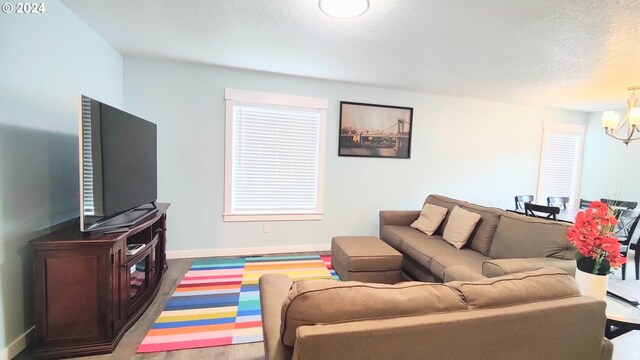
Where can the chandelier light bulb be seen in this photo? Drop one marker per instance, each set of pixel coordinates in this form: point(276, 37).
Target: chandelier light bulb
point(610, 119)
point(634, 116)
point(344, 8)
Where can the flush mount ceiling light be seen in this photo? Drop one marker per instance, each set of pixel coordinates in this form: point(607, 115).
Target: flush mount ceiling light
point(631, 122)
point(344, 8)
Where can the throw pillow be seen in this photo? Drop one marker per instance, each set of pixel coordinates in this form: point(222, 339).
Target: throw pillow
point(460, 226)
point(430, 218)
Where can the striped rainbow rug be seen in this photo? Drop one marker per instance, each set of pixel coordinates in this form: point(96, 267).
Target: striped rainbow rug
point(217, 302)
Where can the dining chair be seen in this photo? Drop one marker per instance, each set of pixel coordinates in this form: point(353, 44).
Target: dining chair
point(559, 201)
point(522, 199)
point(625, 234)
point(636, 258)
point(584, 204)
point(617, 206)
point(621, 204)
point(541, 211)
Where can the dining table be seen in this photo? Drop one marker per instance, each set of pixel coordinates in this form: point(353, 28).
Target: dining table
point(566, 215)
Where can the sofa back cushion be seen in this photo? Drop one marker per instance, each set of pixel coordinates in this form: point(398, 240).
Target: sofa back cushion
point(519, 236)
point(430, 218)
point(530, 286)
point(460, 226)
point(313, 302)
point(444, 202)
point(482, 237)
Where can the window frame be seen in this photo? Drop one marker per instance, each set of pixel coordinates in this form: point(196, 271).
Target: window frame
point(568, 129)
point(233, 96)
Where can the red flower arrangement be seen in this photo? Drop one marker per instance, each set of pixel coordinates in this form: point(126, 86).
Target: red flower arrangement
point(592, 233)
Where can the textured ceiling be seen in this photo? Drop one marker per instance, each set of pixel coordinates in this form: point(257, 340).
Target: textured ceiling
point(576, 54)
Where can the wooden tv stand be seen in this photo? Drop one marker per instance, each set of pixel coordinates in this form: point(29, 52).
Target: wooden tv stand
point(88, 292)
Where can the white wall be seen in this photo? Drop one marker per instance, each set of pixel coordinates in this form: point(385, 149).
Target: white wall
point(481, 151)
point(610, 169)
point(47, 61)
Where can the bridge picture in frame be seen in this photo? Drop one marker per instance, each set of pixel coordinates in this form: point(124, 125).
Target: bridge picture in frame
point(372, 130)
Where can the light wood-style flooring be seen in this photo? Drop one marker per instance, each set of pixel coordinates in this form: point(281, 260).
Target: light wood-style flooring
point(626, 347)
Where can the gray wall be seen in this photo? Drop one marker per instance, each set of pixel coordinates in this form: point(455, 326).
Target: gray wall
point(47, 61)
point(610, 169)
point(481, 151)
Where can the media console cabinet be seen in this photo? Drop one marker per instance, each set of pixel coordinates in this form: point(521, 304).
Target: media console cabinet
point(88, 291)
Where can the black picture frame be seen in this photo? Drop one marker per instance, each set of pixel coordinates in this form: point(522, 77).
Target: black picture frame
point(374, 130)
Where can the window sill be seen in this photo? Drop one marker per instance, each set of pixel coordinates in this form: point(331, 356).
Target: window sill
point(271, 217)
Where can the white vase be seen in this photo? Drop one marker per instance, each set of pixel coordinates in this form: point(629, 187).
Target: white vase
point(592, 285)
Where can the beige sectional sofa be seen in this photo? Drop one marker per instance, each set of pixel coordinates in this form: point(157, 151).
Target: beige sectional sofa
point(502, 243)
point(526, 316)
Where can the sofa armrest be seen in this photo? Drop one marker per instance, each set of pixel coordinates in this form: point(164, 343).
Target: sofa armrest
point(398, 217)
point(499, 267)
point(274, 288)
point(607, 350)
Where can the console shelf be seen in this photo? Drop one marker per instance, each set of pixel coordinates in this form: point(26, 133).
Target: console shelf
point(88, 292)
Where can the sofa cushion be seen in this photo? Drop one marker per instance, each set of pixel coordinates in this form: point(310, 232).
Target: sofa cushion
point(444, 202)
point(430, 218)
point(423, 250)
point(499, 267)
point(482, 237)
point(394, 235)
point(461, 273)
point(467, 257)
point(460, 226)
point(519, 236)
point(312, 302)
point(537, 285)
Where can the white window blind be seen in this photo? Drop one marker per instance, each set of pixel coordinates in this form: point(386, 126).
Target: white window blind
point(561, 162)
point(274, 161)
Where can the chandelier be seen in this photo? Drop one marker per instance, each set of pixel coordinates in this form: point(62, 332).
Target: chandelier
point(610, 120)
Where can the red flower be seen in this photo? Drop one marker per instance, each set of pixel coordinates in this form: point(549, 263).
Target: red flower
point(592, 234)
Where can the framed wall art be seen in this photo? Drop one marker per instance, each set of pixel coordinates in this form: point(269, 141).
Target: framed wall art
point(372, 130)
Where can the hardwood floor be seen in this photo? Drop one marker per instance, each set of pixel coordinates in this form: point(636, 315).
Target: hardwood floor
point(626, 347)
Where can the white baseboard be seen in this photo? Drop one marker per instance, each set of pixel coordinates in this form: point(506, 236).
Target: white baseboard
point(182, 254)
point(19, 344)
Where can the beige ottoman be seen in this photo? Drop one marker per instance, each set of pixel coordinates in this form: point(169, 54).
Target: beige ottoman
point(365, 258)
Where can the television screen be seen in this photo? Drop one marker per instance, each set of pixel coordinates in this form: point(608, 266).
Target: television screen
point(118, 165)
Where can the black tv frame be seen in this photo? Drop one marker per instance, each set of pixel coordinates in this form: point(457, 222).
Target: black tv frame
point(89, 142)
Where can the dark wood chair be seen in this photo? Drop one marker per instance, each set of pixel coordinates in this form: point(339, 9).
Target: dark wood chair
point(522, 199)
point(636, 249)
point(628, 219)
point(620, 204)
point(617, 206)
point(559, 201)
point(541, 211)
point(584, 204)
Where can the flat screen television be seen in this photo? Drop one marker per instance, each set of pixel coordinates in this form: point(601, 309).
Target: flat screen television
point(118, 167)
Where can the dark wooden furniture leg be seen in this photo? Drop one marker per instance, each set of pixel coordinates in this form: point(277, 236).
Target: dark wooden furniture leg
point(636, 258)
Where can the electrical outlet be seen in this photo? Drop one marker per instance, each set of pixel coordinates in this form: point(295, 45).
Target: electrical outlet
point(266, 228)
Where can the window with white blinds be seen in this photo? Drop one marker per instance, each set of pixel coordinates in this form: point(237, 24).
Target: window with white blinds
point(561, 162)
point(274, 157)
